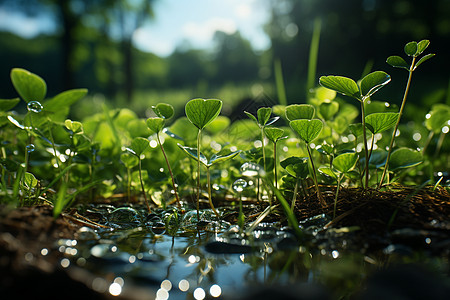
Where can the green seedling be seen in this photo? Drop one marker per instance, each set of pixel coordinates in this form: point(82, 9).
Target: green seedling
point(200, 113)
point(137, 148)
point(238, 186)
point(214, 159)
point(156, 124)
point(274, 135)
point(296, 167)
point(437, 122)
point(309, 130)
point(414, 50)
point(263, 119)
point(130, 161)
point(368, 86)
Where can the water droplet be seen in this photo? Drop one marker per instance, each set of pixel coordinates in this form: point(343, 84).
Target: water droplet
point(250, 169)
point(183, 285)
point(34, 106)
point(30, 148)
point(239, 185)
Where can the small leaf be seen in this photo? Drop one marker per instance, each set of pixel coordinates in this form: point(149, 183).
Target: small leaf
point(308, 130)
point(129, 160)
point(201, 112)
point(421, 46)
point(216, 158)
point(7, 104)
point(397, 62)
point(379, 122)
point(163, 110)
point(30, 180)
point(139, 145)
point(378, 158)
point(356, 129)
point(296, 166)
point(192, 153)
point(74, 126)
point(252, 117)
point(438, 117)
point(404, 158)
point(328, 109)
point(263, 114)
point(411, 48)
point(374, 81)
point(423, 59)
point(30, 86)
point(218, 125)
point(345, 162)
point(327, 171)
point(58, 106)
point(273, 133)
point(300, 111)
point(340, 84)
point(156, 124)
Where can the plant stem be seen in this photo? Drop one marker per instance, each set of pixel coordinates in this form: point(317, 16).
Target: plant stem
point(263, 148)
point(391, 144)
point(366, 153)
point(142, 186)
point(336, 196)
point(198, 174)
point(170, 170)
point(275, 163)
point(210, 194)
point(294, 197)
point(319, 194)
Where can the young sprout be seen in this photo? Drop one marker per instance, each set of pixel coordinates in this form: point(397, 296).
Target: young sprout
point(156, 124)
point(297, 167)
point(414, 50)
point(368, 86)
point(200, 113)
point(274, 135)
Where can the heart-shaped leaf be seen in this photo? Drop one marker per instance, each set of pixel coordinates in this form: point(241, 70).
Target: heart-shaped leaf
point(308, 130)
point(201, 112)
point(411, 48)
point(296, 166)
point(57, 108)
point(263, 114)
point(340, 84)
point(356, 129)
point(328, 172)
point(374, 81)
point(345, 162)
point(379, 122)
point(74, 126)
point(423, 59)
point(328, 109)
point(7, 104)
point(397, 62)
point(139, 145)
point(300, 111)
point(404, 158)
point(273, 133)
point(156, 124)
point(30, 86)
point(378, 158)
point(421, 46)
point(163, 110)
point(192, 153)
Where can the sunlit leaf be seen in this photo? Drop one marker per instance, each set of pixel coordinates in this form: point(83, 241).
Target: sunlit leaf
point(345, 162)
point(273, 133)
point(74, 126)
point(340, 84)
point(423, 59)
point(327, 171)
point(411, 48)
point(129, 160)
point(404, 158)
point(308, 130)
point(163, 110)
point(156, 124)
point(192, 153)
point(217, 158)
point(30, 86)
point(263, 114)
point(300, 111)
point(201, 112)
point(438, 117)
point(296, 166)
point(139, 145)
point(374, 81)
point(328, 109)
point(7, 104)
point(379, 122)
point(397, 62)
point(421, 46)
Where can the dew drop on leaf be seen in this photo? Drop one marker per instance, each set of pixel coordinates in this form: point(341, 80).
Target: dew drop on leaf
point(30, 148)
point(239, 185)
point(34, 106)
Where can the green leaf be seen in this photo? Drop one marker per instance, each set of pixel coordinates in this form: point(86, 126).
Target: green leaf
point(379, 122)
point(374, 81)
point(345, 162)
point(129, 160)
point(218, 158)
point(296, 166)
point(163, 110)
point(299, 111)
point(421, 46)
point(328, 109)
point(378, 158)
point(30, 86)
point(156, 124)
point(308, 130)
point(29, 180)
point(74, 126)
point(57, 108)
point(423, 59)
point(340, 84)
point(404, 158)
point(411, 48)
point(438, 117)
point(397, 62)
point(263, 114)
point(356, 129)
point(328, 171)
point(340, 124)
point(139, 145)
point(273, 133)
point(7, 104)
point(192, 153)
point(201, 112)
point(252, 117)
point(218, 125)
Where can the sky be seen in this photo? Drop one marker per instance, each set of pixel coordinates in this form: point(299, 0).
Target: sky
point(175, 22)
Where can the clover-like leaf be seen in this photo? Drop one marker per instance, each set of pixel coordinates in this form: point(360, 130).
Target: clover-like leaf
point(397, 62)
point(273, 133)
point(328, 172)
point(374, 81)
point(201, 112)
point(74, 126)
point(192, 153)
point(308, 130)
point(296, 166)
point(438, 117)
point(156, 124)
point(411, 48)
point(129, 160)
point(7, 104)
point(423, 59)
point(263, 114)
point(421, 46)
point(300, 111)
point(340, 84)
point(30, 86)
point(58, 107)
point(378, 122)
point(345, 162)
point(139, 145)
point(163, 110)
point(404, 158)
point(328, 109)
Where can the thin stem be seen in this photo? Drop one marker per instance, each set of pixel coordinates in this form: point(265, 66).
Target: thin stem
point(210, 194)
point(263, 148)
point(319, 194)
point(275, 163)
point(142, 187)
point(198, 174)
point(294, 197)
point(336, 196)
point(170, 169)
point(405, 95)
point(439, 144)
point(366, 152)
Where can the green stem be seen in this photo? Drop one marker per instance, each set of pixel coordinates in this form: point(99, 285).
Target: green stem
point(275, 163)
point(336, 196)
point(366, 152)
point(198, 174)
point(391, 144)
point(210, 194)
point(319, 194)
point(170, 170)
point(263, 148)
point(142, 187)
point(294, 197)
